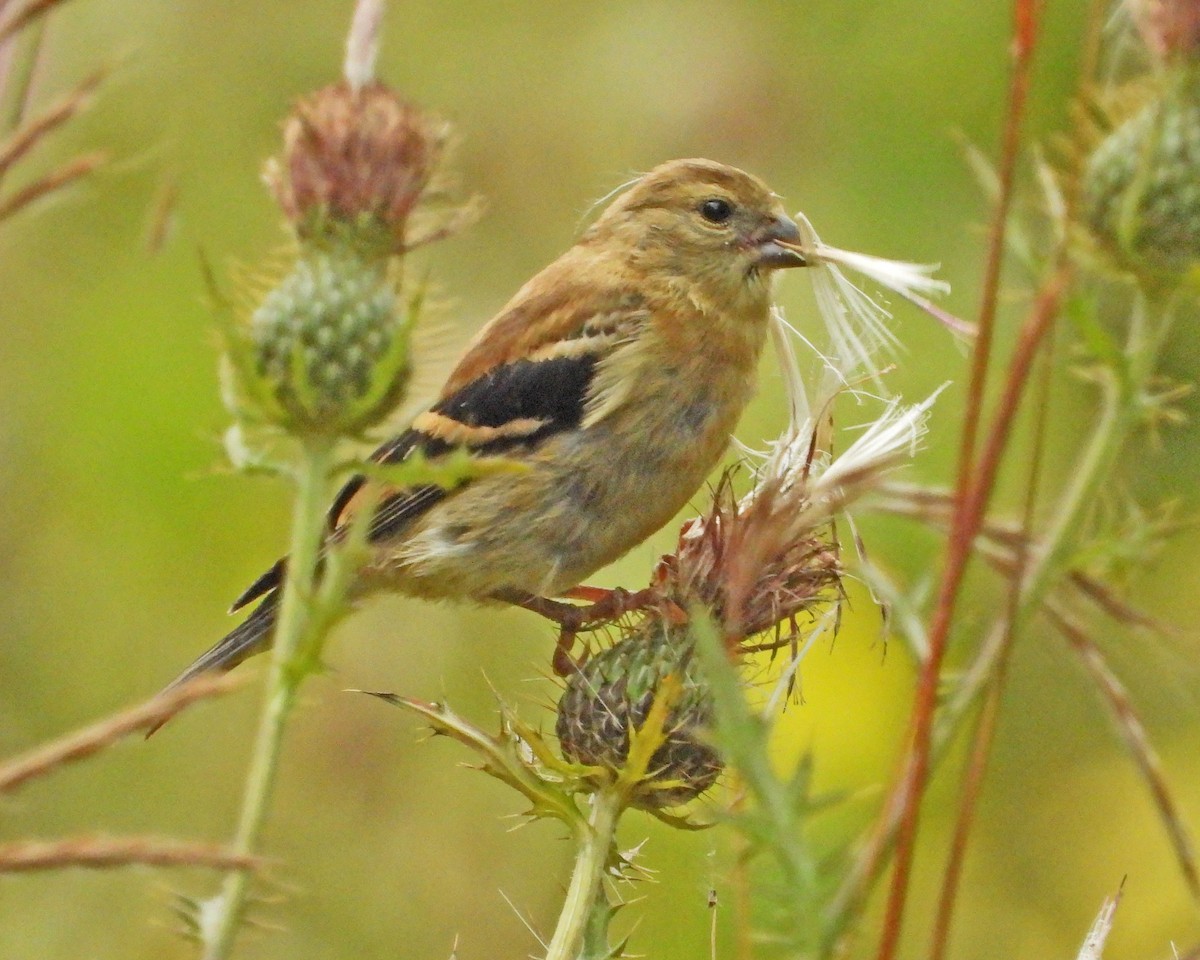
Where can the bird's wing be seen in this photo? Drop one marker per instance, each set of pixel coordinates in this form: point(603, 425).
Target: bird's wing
point(527, 393)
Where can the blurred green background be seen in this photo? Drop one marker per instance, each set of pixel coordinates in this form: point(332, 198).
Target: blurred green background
point(124, 539)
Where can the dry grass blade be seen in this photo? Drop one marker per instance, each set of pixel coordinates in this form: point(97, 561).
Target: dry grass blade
point(21, 17)
point(1137, 741)
point(161, 222)
point(34, 131)
point(932, 506)
point(83, 743)
point(102, 853)
point(68, 173)
point(1103, 597)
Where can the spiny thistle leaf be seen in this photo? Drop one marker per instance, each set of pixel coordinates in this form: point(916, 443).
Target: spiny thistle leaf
point(506, 756)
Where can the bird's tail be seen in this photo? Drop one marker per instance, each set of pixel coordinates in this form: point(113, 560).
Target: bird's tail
point(253, 635)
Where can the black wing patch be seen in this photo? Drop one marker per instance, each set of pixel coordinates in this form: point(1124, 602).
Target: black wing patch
point(548, 396)
point(553, 391)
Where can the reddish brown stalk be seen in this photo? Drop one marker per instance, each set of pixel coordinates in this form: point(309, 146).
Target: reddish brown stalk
point(1024, 37)
point(83, 743)
point(968, 519)
point(55, 180)
point(915, 769)
point(972, 786)
point(106, 852)
point(1137, 741)
point(17, 20)
point(989, 716)
point(36, 130)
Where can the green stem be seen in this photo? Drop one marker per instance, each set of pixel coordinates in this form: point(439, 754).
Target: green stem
point(587, 876)
point(286, 674)
point(1121, 411)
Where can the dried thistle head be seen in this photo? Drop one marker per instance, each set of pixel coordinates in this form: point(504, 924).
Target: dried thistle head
point(1170, 29)
point(356, 160)
point(731, 563)
point(748, 566)
point(751, 564)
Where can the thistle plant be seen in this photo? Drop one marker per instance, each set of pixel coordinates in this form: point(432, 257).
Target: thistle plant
point(651, 718)
point(670, 711)
point(321, 358)
point(1120, 238)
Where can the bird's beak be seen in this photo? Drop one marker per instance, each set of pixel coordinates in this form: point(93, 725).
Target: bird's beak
point(779, 245)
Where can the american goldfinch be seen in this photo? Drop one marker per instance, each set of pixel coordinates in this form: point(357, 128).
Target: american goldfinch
point(615, 376)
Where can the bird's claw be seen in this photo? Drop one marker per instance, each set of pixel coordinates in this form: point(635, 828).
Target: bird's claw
point(604, 606)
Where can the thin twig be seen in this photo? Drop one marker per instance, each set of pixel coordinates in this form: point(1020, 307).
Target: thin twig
point(969, 515)
point(55, 180)
point(19, 67)
point(106, 852)
point(18, 19)
point(1025, 30)
point(989, 716)
point(871, 857)
point(104, 733)
point(1137, 741)
point(32, 132)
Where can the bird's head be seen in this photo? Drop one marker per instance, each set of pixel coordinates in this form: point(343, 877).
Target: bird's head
point(701, 222)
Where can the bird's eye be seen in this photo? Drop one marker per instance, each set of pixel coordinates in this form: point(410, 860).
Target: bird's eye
point(716, 210)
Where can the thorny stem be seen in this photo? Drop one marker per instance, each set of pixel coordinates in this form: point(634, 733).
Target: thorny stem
point(1121, 411)
point(588, 875)
point(286, 674)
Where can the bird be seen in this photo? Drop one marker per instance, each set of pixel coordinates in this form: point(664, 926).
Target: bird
point(614, 378)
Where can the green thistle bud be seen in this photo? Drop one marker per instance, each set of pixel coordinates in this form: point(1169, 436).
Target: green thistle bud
point(1141, 186)
point(611, 696)
point(329, 344)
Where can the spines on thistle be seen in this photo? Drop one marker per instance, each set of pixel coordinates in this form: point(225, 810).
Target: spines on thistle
point(331, 340)
point(1141, 182)
point(752, 565)
point(609, 699)
point(325, 352)
point(356, 163)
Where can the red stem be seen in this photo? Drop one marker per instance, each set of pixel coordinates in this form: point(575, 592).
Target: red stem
point(989, 717)
point(968, 517)
point(916, 770)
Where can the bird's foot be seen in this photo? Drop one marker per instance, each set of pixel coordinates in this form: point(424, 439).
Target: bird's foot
point(602, 607)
